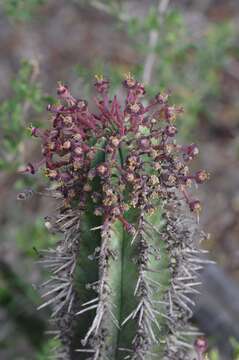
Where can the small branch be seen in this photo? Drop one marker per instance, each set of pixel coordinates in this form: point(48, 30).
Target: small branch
point(153, 35)
point(34, 75)
point(153, 39)
point(122, 16)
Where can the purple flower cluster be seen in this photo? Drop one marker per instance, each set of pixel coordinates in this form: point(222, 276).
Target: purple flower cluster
point(141, 162)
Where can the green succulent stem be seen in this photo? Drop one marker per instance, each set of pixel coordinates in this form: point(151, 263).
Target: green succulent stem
point(122, 275)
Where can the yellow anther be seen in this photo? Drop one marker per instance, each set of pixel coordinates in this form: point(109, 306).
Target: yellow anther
point(154, 180)
point(29, 128)
point(129, 80)
point(99, 77)
point(128, 76)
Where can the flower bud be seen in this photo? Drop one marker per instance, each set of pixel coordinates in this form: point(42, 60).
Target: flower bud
point(130, 177)
point(171, 130)
point(78, 150)
point(90, 154)
point(201, 176)
point(172, 180)
point(72, 193)
point(54, 108)
point(157, 165)
point(201, 344)
point(64, 93)
point(168, 148)
point(153, 180)
point(170, 113)
point(115, 141)
point(192, 151)
point(28, 169)
point(87, 188)
point(150, 209)
point(161, 98)
point(129, 81)
point(101, 84)
point(91, 174)
point(62, 89)
point(135, 109)
point(67, 120)
point(77, 137)
point(52, 146)
point(34, 131)
point(102, 170)
point(82, 105)
point(65, 177)
point(98, 211)
point(116, 211)
point(77, 164)
point(66, 145)
point(140, 90)
point(52, 174)
point(95, 197)
point(195, 206)
point(144, 143)
point(187, 181)
point(132, 161)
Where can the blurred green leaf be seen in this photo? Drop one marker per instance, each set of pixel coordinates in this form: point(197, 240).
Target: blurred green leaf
point(21, 10)
point(214, 355)
point(27, 97)
point(235, 345)
point(133, 26)
point(32, 236)
point(151, 21)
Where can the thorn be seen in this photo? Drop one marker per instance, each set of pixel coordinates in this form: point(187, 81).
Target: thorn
point(87, 309)
point(90, 302)
point(51, 300)
point(96, 228)
point(55, 289)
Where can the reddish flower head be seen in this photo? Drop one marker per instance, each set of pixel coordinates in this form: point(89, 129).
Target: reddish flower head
point(82, 145)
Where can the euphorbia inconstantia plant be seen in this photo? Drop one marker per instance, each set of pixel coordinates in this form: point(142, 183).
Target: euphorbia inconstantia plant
point(123, 273)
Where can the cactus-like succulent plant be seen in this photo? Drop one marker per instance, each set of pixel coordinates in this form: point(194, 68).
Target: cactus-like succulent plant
point(122, 275)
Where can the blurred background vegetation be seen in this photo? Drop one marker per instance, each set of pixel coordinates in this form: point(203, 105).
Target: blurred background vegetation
point(195, 55)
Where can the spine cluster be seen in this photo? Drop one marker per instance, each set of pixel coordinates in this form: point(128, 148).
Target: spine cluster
point(122, 181)
point(60, 289)
point(147, 310)
point(186, 259)
point(98, 330)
